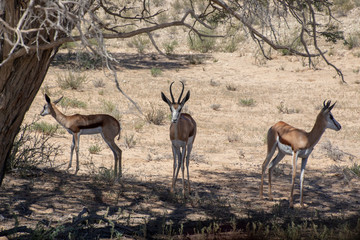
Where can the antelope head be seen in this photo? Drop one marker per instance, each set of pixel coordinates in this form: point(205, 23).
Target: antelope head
point(328, 117)
point(48, 105)
point(176, 108)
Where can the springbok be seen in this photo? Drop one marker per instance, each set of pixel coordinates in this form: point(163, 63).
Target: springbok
point(298, 143)
point(79, 124)
point(182, 135)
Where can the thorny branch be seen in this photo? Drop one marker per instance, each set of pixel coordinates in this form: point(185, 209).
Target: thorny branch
point(260, 19)
point(49, 24)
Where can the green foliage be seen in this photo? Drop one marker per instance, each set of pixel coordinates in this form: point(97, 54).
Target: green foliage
point(355, 168)
point(247, 102)
point(111, 109)
point(353, 40)
point(170, 47)
point(45, 128)
point(155, 72)
point(74, 103)
point(94, 149)
point(140, 43)
point(104, 175)
point(72, 80)
point(203, 44)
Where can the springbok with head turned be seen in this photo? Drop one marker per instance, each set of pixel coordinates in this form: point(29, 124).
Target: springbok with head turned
point(298, 143)
point(182, 135)
point(78, 125)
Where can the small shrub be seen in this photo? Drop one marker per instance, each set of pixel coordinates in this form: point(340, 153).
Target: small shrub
point(155, 72)
point(353, 40)
point(130, 141)
point(46, 90)
point(140, 43)
point(195, 60)
point(203, 45)
point(231, 46)
point(138, 125)
point(43, 127)
point(72, 81)
point(155, 116)
point(99, 83)
point(283, 109)
point(355, 168)
point(85, 60)
point(74, 103)
point(215, 107)
point(233, 137)
point(94, 149)
point(170, 47)
point(31, 149)
point(332, 152)
point(214, 83)
point(111, 109)
point(231, 87)
point(247, 102)
point(104, 175)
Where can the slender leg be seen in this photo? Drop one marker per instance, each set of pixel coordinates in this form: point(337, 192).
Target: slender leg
point(263, 168)
point(77, 143)
point(71, 151)
point(189, 148)
point(179, 157)
point(183, 168)
point(303, 165)
point(117, 157)
point(294, 162)
point(272, 165)
point(174, 167)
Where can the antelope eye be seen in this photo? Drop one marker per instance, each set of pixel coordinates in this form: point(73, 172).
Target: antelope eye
point(331, 117)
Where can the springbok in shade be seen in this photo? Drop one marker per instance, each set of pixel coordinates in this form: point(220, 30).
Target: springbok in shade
point(298, 143)
point(79, 124)
point(182, 135)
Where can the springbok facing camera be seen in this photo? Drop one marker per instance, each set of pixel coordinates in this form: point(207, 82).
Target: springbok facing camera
point(298, 143)
point(182, 135)
point(78, 125)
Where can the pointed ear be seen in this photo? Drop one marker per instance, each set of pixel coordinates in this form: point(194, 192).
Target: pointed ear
point(185, 98)
point(165, 99)
point(47, 98)
point(55, 102)
point(331, 107)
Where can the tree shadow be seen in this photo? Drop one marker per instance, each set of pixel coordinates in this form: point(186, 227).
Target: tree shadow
point(147, 209)
point(84, 61)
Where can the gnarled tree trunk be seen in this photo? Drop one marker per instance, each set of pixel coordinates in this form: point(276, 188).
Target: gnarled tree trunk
point(20, 80)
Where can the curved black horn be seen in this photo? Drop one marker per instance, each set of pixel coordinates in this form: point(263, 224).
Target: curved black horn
point(182, 91)
point(324, 103)
point(171, 94)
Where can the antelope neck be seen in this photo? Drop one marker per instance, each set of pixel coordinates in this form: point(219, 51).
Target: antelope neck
point(316, 132)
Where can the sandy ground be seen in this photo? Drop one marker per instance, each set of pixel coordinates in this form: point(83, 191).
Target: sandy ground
point(229, 148)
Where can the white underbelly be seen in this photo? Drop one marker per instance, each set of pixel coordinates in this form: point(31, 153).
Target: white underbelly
point(286, 149)
point(89, 131)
